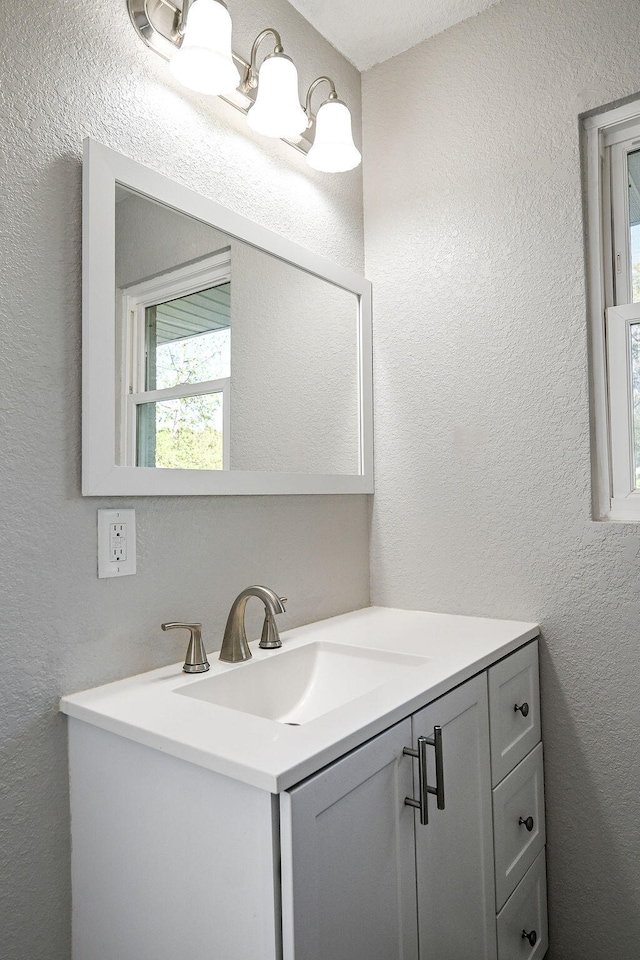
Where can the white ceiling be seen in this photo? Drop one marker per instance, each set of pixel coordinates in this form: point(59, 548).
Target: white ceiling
point(367, 32)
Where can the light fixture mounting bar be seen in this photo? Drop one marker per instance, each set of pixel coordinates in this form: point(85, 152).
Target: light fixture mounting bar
point(158, 24)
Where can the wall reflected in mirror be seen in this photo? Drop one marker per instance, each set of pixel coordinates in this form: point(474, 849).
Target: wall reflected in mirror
point(227, 357)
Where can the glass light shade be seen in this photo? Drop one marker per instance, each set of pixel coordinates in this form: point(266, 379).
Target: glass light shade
point(204, 61)
point(333, 149)
point(277, 111)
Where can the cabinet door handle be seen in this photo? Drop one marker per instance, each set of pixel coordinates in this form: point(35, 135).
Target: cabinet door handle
point(523, 708)
point(528, 823)
point(531, 937)
point(438, 791)
point(436, 741)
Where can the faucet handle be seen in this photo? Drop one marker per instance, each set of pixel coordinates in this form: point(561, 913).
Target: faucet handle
point(270, 638)
point(196, 658)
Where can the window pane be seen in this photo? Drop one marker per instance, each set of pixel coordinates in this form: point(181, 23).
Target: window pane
point(185, 433)
point(634, 222)
point(635, 398)
point(188, 339)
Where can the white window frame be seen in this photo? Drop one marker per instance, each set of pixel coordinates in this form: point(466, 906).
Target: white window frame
point(608, 137)
point(134, 300)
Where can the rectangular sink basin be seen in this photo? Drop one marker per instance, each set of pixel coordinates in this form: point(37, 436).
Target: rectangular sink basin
point(299, 685)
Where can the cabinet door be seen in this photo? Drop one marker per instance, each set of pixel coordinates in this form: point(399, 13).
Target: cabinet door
point(454, 851)
point(348, 865)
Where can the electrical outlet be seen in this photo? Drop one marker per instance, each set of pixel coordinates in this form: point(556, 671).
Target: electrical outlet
point(116, 543)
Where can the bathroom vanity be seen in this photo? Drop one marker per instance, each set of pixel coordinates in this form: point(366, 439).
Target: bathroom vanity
point(212, 823)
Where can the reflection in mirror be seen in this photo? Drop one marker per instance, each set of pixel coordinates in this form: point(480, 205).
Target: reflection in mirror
point(218, 356)
point(186, 341)
point(228, 358)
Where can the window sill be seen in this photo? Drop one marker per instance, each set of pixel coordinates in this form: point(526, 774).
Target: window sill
point(624, 509)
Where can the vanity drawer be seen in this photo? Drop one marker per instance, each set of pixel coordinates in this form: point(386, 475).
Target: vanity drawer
point(520, 797)
point(525, 912)
point(514, 709)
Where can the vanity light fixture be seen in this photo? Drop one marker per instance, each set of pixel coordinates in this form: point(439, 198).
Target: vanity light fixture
point(277, 111)
point(204, 61)
point(196, 39)
point(333, 149)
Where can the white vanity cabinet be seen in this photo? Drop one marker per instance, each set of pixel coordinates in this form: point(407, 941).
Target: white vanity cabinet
point(174, 857)
point(363, 878)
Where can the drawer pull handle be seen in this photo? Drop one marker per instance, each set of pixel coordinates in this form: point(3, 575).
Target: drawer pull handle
point(523, 708)
point(421, 753)
point(528, 823)
point(531, 937)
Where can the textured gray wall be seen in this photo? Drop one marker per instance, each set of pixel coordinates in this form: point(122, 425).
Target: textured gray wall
point(68, 70)
point(474, 243)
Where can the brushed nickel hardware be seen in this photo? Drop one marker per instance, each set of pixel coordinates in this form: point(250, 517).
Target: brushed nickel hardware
point(250, 78)
point(421, 804)
point(531, 937)
point(196, 658)
point(332, 93)
point(235, 647)
point(270, 638)
point(528, 823)
point(438, 791)
point(523, 708)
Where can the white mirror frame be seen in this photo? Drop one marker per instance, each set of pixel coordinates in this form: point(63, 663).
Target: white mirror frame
point(101, 475)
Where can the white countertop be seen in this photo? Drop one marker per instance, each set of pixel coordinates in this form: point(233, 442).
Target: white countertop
point(272, 755)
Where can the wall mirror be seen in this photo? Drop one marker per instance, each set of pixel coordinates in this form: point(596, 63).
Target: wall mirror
point(218, 357)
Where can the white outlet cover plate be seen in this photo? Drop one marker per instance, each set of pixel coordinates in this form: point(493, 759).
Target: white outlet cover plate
point(107, 566)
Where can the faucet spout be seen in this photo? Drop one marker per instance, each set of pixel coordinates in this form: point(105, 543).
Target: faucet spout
point(235, 647)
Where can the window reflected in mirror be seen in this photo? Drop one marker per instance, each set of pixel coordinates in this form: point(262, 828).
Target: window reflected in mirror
point(178, 354)
point(187, 341)
point(228, 358)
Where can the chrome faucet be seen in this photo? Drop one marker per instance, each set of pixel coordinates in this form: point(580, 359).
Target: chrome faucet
point(235, 647)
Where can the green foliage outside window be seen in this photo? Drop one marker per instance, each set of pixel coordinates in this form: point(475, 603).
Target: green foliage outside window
point(185, 448)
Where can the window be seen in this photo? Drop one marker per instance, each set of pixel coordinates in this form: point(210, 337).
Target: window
point(175, 371)
point(613, 221)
